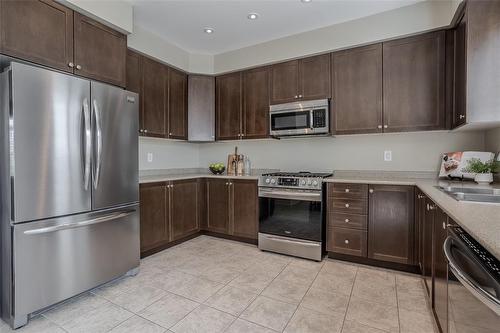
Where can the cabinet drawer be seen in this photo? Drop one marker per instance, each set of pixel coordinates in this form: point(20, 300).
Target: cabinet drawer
point(353, 221)
point(348, 206)
point(341, 190)
point(347, 241)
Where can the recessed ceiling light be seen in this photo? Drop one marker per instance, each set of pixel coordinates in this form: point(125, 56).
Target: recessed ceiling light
point(306, 1)
point(253, 16)
point(208, 30)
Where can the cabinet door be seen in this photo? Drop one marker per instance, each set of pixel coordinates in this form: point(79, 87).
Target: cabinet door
point(419, 227)
point(134, 78)
point(256, 103)
point(184, 205)
point(154, 215)
point(427, 241)
point(177, 104)
point(201, 108)
point(315, 77)
point(100, 52)
point(357, 90)
point(460, 83)
point(245, 208)
point(414, 83)
point(218, 205)
point(228, 89)
point(285, 82)
point(38, 31)
point(154, 80)
point(391, 223)
point(440, 269)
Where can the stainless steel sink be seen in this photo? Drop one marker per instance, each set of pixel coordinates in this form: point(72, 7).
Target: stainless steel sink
point(486, 195)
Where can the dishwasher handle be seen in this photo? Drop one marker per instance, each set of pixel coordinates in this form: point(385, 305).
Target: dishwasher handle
point(469, 283)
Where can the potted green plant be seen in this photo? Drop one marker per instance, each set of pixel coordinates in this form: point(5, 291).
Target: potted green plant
point(483, 170)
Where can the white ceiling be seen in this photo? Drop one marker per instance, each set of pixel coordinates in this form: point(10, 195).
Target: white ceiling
point(182, 22)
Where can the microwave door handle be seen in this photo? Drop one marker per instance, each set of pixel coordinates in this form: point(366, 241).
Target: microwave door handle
point(470, 284)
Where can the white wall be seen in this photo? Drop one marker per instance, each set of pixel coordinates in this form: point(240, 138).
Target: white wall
point(492, 140)
point(168, 154)
point(407, 20)
point(410, 151)
point(117, 13)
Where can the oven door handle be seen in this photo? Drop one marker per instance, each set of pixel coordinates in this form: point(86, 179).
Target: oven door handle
point(303, 243)
point(303, 196)
point(470, 284)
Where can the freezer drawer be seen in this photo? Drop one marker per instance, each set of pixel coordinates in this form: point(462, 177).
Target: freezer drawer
point(59, 258)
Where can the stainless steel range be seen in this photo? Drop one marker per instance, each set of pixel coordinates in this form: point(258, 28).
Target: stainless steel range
point(291, 214)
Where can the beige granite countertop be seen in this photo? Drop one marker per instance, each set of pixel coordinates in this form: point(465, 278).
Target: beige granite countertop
point(169, 177)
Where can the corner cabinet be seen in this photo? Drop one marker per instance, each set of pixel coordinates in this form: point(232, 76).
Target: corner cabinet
point(232, 207)
point(391, 223)
point(303, 79)
point(47, 33)
point(228, 106)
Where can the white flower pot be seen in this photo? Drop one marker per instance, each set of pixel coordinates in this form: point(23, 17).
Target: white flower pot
point(484, 178)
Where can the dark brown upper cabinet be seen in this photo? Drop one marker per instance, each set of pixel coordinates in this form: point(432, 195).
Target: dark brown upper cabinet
point(357, 90)
point(100, 52)
point(154, 206)
point(414, 83)
point(177, 104)
point(391, 223)
point(184, 207)
point(47, 33)
point(154, 98)
point(307, 78)
point(37, 31)
point(256, 103)
point(133, 80)
point(228, 106)
point(477, 41)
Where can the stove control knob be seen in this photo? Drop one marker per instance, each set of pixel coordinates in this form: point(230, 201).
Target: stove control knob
point(302, 182)
point(315, 183)
point(309, 182)
point(268, 180)
point(273, 181)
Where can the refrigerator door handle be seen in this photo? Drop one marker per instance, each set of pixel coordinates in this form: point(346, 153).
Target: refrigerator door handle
point(97, 115)
point(109, 217)
point(88, 142)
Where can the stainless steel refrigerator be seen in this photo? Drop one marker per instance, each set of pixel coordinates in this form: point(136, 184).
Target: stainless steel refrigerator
point(69, 187)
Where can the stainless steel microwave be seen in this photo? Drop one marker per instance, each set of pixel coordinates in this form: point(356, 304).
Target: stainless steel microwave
point(299, 118)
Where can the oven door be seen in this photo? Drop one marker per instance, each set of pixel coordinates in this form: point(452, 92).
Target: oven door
point(473, 293)
point(290, 122)
point(290, 213)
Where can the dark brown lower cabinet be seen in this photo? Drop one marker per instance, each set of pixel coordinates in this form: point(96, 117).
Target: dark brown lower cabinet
point(232, 207)
point(440, 270)
point(391, 223)
point(427, 241)
point(419, 225)
point(154, 215)
point(184, 200)
point(169, 211)
point(245, 208)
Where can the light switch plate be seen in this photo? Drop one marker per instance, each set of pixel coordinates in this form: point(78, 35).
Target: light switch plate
point(150, 157)
point(388, 155)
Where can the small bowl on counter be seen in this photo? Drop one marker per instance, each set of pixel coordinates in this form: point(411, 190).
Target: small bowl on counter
point(217, 171)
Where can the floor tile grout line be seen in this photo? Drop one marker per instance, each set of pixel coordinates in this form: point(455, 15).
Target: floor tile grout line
point(297, 308)
point(349, 301)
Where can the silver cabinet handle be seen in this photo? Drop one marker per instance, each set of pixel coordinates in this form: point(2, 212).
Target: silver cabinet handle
point(346, 241)
point(78, 67)
point(347, 190)
point(432, 207)
point(371, 190)
point(420, 196)
point(227, 184)
point(88, 142)
point(346, 205)
point(346, 220)
point(461, 116)
point(300, 96)
point(296, 96)
point(141, 130)
point(145, 131)
point(379, 126)
point(444, 225)
point(71, 65)
point(170, 133)
point(386, 126)
point(73, 225)
point(97, 172)
point(475, 288)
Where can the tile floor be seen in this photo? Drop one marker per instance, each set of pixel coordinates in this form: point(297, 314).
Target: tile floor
point(214, 285)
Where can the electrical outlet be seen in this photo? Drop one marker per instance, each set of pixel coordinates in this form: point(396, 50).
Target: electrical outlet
point(150, 157)
point(388, 155)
